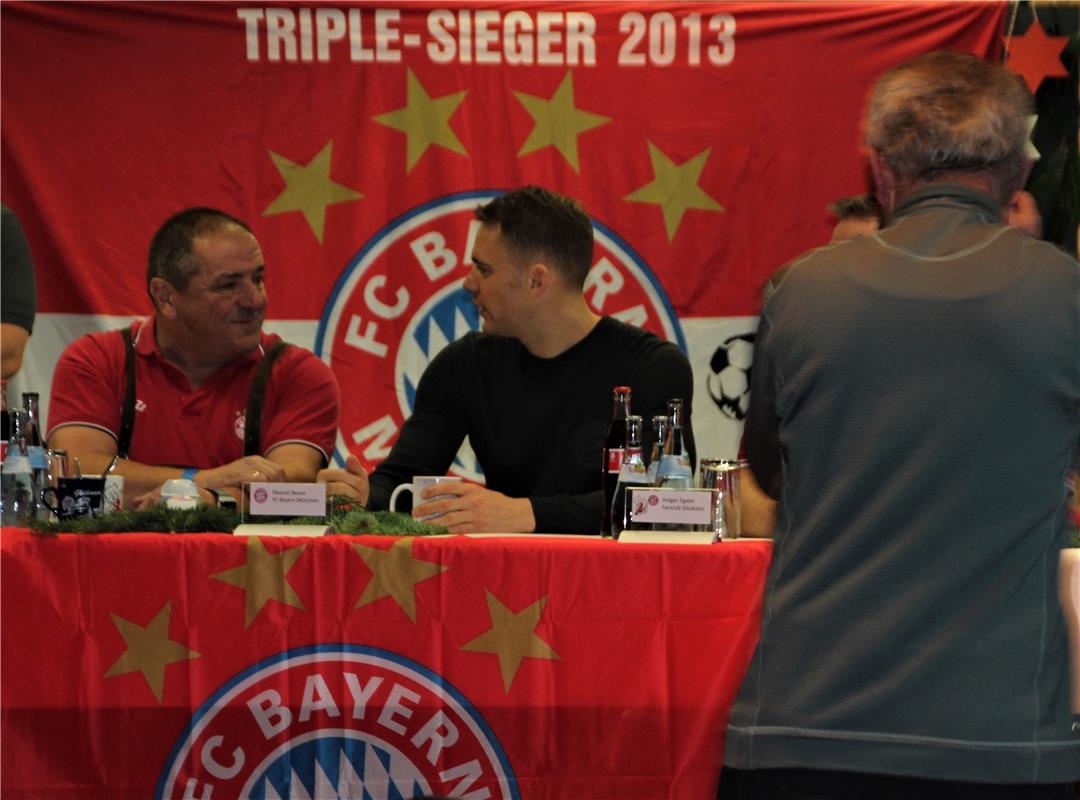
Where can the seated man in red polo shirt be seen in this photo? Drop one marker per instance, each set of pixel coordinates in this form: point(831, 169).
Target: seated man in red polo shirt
point(195, 363)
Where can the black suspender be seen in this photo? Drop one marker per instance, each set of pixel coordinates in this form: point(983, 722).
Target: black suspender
point(253, 415)
point(256, 397)
point(127, 413)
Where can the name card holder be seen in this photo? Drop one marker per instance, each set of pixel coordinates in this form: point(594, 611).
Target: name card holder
point(671, 516)
point(277, 500)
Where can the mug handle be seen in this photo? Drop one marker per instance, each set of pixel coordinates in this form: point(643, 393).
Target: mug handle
point(54, 509)
point(398, 490)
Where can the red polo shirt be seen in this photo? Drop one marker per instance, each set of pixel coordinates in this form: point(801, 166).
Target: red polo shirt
point(181, 426)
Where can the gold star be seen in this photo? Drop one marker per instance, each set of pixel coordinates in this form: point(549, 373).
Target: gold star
point(425, 120)
point(558, 121)
point(263, 578)
point(675, 188)
point(512, 637)
point(308, 189)
point(394, 573)
point(149, 650)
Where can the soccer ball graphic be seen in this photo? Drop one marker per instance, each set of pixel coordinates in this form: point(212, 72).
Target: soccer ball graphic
point(729, 375)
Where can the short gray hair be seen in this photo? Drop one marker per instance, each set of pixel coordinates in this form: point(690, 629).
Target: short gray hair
point(171, 249)
point(951, 113)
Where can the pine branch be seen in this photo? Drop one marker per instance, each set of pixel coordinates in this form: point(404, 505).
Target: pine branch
point(346, 517)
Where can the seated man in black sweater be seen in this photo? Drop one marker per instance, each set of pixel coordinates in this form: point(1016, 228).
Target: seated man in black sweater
point(533, 391)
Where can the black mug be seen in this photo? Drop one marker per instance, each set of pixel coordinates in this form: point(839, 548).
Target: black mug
point(74, 497)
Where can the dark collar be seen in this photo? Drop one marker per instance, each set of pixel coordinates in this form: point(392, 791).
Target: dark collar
point(952, 195)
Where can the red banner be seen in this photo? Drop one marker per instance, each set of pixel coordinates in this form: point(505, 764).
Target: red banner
point(705, 140)
point(221, 667)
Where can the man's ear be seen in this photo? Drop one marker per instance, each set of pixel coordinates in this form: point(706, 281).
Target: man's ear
point(539, 278)
point(162, 292)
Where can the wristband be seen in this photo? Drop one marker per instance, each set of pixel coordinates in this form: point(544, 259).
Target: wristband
point(189, 473)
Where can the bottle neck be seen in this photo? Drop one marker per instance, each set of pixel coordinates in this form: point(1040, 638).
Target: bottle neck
point(633, 433)
point(675, 442)
point(18, 440)
point(620, 406)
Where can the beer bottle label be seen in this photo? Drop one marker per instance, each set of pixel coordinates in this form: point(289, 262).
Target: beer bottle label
point(614, 459)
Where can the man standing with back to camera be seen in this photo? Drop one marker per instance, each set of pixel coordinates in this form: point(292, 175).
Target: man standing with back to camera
point(915, 408)
point(533, 391)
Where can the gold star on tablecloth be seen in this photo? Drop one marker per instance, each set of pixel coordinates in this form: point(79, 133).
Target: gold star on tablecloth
point(263, 578)
point(512, 637)
point(675, 188)
point(558, 121)
point(425, 121)
point(309, 189)
point(394, 573)
point(149, 650)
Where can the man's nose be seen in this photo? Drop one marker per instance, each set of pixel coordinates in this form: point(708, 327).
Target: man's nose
point(470, 282)
point(252, 294)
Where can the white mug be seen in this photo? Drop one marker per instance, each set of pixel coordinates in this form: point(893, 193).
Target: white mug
point(114, 494)
point(419, 483)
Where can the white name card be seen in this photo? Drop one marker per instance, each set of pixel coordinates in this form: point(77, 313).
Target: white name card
point(295, 531)
point(671, 506)
point(287, 499)
point(667, 537)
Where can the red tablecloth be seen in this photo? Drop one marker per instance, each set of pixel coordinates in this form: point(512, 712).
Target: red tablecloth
point(211, 666)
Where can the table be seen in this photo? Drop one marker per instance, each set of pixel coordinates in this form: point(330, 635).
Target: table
point(217, 666)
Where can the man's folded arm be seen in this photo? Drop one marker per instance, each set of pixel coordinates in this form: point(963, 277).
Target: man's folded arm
point(569, 513)
point(95, 449)
point(300, 462)
point(430, 437)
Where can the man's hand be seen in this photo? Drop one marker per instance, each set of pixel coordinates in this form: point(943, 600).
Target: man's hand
point(1023, 212)
point(147, 499)
point(350, 482)
point(249, 469)
point(473, 509)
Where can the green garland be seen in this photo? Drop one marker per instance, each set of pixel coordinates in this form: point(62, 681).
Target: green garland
point(346, 518)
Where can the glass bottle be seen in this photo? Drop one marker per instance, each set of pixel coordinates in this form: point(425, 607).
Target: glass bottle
point(33, 424)
point(39, 460)
point(659, 434)
point(612, 457)
point(675, 471)
point(632, 474)
point(16, 483)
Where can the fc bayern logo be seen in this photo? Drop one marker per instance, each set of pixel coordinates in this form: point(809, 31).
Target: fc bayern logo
point(337, 721)
point(400, 301)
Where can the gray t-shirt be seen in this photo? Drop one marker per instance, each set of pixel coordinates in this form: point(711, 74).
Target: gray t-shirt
point(916, 406)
